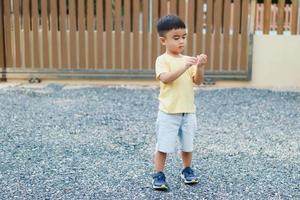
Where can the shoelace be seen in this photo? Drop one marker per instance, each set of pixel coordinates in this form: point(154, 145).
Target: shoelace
point(160, 177)
point(189, 172)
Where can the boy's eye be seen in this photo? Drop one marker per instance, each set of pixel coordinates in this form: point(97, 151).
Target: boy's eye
point(178, 37)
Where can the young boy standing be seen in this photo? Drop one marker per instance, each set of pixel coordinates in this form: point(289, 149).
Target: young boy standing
point(176, 117)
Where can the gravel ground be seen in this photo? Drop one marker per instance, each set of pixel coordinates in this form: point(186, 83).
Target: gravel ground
point(61, 142)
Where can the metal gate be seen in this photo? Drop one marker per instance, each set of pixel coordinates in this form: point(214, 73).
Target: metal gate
point(117, 38)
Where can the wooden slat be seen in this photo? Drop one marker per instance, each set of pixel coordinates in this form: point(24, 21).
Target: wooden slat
point(182, 15)
point(154, 33)
point(236, 27)
point(136, 35)
point(226, 34)
point(163, 7)
point(199, 28)
point(256, 14)
point(208, 33)
point(63, 33)
point(53, 17)
point(27, 47)
point(145, 58)
point(73, 48)
point(81, 33)
point(108, 33)
point(90, 22)
point(118, 23)
point(252, 23)
point(45, 34)
point(17, 32)
point(181, 9)
point(267, 16)
point(280, 16)
point(190, 28)
point(127, 34)
point(163, 12)
point(8, 46)
point(244, 36)
point(173, 7)
point(100, 33)
point(217, 34)
point(2, 54)
point(294, 17)
point(35, 29)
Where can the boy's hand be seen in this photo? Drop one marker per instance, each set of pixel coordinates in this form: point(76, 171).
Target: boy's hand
point(201, 59)
point(189, 61)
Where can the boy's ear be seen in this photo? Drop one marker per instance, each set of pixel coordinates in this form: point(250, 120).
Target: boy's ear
point(162, 40)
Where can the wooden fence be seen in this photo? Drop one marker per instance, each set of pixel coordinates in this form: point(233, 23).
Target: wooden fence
point(278, 17)
point(259, 18)
point(117, 38)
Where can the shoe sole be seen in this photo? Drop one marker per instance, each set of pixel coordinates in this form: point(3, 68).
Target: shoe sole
point(192, 182)
point(160, 188)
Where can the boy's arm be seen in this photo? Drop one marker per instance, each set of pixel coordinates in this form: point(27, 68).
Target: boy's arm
point(199, 75)
point(169, 77)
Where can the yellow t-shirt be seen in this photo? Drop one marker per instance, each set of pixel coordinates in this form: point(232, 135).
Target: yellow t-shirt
point(178, 96)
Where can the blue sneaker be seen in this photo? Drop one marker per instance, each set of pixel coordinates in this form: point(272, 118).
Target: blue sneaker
point(188, 176)
point(159, 182)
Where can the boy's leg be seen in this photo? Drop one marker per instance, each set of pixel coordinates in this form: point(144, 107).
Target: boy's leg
point(159, 179)
point(159, 161)
point(187, 173)
point(167, 126)
point(186, 158)
point(186, 135)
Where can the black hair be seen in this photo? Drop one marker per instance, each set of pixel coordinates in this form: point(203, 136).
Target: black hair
point(168, 23)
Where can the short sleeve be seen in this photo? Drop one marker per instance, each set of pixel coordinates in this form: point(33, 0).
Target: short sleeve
point(160, 67)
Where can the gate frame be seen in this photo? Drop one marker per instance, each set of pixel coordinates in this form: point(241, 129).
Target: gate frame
point(2, 45)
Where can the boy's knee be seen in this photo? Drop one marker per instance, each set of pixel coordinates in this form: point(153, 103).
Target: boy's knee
point(161, 152)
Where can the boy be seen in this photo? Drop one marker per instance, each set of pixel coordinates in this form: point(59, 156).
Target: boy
point(176, 117)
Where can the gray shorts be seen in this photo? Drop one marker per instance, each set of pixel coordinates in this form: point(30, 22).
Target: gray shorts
point(171, 127)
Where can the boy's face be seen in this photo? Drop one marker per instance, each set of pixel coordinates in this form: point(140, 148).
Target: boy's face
point(174, 40)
